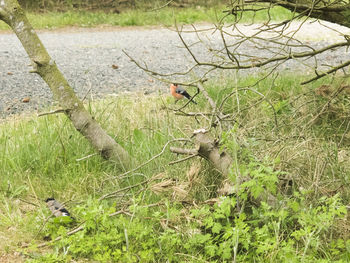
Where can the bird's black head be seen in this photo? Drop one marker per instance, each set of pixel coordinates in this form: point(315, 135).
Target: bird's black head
point(175, 84)
point(49, 199)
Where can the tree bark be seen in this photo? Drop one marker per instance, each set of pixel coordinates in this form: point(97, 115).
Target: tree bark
point(209, 149)
point(333, 11)
point(13, 15)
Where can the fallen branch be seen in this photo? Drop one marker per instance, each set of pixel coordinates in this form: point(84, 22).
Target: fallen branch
point(52, 112)
point(183, 151)
point(208, 149)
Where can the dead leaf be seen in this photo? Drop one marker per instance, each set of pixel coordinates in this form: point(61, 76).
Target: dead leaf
point(114, 66)
point(226, 189)
point(193, 172)
point(162, 186)
point(26, 99)
point(179, 191)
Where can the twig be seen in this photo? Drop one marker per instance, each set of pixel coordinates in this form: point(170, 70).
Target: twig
point(334, 69)
point(42, 226)
point(86, 94)
point(86, 157)
point(183, 151)
point(206, 95)
point(183, 159)
point(194, 114)
point(213, 105)
point(325, 106)
point(52, 112)
point(120, 212)
point(25, 201)
point(158, 8)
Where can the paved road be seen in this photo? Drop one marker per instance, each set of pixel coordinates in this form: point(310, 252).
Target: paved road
point(86, 56)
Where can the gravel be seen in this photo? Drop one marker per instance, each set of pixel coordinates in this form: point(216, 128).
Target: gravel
point(86, 56)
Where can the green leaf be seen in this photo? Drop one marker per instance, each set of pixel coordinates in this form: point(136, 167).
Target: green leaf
point(216, 228)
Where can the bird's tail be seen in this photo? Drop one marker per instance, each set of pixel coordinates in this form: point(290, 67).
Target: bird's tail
point(189, 97)
point(193, 101)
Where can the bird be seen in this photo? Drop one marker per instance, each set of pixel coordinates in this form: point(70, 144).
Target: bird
point(178, 93)
point(56, 208)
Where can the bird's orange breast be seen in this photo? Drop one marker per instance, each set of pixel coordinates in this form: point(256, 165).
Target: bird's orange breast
point(174, 94)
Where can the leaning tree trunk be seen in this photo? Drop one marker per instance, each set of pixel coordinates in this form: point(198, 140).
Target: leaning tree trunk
point(333, 11)
point(13, 15)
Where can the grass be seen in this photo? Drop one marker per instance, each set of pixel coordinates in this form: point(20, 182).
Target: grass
point(308, 147)
point(165, 16)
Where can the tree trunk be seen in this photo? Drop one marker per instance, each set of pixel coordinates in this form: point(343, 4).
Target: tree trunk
point(13, 15)
point(333, 11)
point(210, 150)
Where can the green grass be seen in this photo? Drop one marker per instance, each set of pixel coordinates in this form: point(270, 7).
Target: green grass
point(165, 16)
point(309, 146)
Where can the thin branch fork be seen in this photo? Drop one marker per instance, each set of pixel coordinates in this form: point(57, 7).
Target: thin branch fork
point(290, 55)
point(271, 60)
point(334, 69)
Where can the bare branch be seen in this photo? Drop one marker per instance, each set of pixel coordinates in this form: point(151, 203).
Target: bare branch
point(52, 112)
point(183, 151)
point(334, 69)
point(183, 159)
